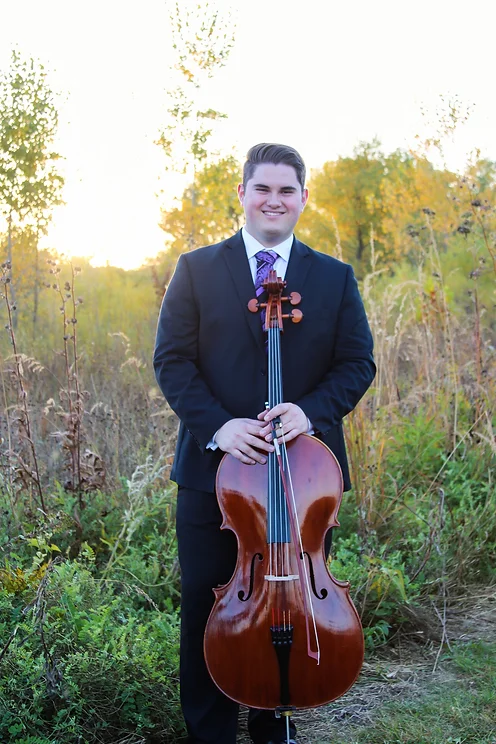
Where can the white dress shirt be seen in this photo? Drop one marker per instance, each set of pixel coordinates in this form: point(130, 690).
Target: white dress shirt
point(252, 247)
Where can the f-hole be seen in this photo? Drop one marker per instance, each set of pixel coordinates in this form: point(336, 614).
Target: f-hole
point(323, 593)
point(241, 594)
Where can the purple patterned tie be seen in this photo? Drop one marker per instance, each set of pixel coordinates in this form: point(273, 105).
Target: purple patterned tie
point(265, 262)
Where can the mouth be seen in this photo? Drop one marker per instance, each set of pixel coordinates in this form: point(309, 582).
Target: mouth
point(267, 213)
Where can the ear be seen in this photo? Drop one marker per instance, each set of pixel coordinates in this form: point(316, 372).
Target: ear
point(304, 198)
point(241, 193)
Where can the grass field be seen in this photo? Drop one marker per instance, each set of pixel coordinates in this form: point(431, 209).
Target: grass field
point(410, 693)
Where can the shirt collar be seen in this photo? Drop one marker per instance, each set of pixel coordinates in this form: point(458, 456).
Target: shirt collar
point(253, 246)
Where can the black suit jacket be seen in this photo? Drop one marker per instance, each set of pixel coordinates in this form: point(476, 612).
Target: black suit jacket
point(210, 359)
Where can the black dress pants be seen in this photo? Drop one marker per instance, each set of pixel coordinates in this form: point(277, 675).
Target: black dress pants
point(207, 556)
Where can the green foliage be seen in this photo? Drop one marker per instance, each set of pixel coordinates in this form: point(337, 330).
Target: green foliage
point(432, 526)
point(90, 665)
point(416, 449)
point(379, 585)
point(210, 211)
point(90, 644)
point(202, 40)
point(29, 182)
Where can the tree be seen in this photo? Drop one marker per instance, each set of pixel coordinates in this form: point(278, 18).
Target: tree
point(202, 41)
point(30, 185)
point(386, 196)
point(346, 192)
point(214, 215)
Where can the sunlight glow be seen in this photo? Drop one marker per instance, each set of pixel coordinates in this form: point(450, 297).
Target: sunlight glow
point(320, 76)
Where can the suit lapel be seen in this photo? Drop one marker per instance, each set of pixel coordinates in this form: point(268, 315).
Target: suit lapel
point(237, 263)
point(299, 264)
point(239, 268)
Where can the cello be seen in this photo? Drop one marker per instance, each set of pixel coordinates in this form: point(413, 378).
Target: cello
point(283, 633)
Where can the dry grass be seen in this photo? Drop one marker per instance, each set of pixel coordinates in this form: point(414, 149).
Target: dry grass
point(402, 671)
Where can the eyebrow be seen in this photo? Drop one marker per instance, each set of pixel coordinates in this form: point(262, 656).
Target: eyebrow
point(264, 186)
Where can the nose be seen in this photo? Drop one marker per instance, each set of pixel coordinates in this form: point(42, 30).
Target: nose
point(273, 199)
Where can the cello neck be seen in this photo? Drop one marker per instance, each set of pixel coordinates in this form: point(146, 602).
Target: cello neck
point(274, 377)
point(278, 527)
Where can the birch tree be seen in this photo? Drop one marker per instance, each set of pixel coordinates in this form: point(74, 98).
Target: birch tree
point(30, 184)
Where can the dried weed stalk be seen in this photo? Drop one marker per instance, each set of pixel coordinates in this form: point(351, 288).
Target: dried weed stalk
point(23, 461)
point(84, 468)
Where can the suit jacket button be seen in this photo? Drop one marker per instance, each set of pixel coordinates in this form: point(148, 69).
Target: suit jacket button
point(263, 372)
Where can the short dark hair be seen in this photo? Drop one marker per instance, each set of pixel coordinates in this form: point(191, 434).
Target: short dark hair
point(269, 152)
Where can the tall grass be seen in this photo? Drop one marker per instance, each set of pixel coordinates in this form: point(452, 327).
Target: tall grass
point(87, 546)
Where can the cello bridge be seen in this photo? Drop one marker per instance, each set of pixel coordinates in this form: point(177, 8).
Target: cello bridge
point(291, 577)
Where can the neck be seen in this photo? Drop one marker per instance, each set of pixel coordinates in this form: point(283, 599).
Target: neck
point(268, 241)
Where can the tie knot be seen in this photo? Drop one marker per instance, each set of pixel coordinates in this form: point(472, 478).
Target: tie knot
point(265, 262)
point(265, 257)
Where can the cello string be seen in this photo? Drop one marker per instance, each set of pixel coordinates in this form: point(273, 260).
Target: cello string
point(275, 479)
point(271, 481)
point(276, 352)
point(302, 569)
point(282, 500)
point(275, 482)
point(271, 459)
point(298, 530)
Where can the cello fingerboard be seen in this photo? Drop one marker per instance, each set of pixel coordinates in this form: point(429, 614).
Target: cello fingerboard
point(278, 529)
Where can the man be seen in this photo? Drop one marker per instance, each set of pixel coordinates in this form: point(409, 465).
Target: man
point(211, 364)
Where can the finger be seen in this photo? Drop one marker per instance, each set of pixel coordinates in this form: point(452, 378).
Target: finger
point(279, 432)
point(255, 456)
point(276, 411)
point(259, 444)
point(256, 427)
point(250, 447)
point(268, 431)
point(242, 457)
point(290, 435)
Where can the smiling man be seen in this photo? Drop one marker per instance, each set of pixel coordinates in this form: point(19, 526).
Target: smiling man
point(211, 365)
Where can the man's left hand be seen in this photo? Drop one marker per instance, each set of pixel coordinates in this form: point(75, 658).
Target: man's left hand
point(293, 420)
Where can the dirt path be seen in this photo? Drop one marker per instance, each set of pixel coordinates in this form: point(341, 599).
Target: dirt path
point(404, 670)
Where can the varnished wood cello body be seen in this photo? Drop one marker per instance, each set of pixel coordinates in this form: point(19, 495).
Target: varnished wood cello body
point(283, 633)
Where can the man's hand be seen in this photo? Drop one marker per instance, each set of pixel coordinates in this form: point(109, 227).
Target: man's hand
point(293, 421)
point(240, 436)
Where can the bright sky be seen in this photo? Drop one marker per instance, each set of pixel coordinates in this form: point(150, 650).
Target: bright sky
point(320, 75)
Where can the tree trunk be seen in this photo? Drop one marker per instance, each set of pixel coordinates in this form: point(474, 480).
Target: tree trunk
point(361, 244)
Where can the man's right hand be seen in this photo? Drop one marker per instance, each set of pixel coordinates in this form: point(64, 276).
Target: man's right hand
point(240, 437)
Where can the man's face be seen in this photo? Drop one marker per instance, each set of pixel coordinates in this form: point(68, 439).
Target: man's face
point(273, 201)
